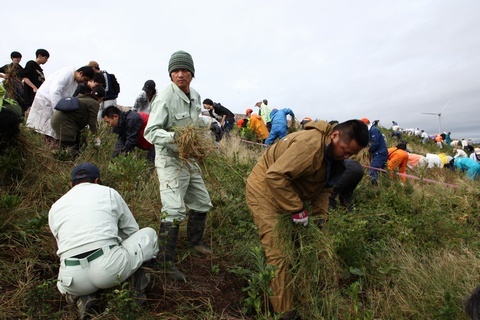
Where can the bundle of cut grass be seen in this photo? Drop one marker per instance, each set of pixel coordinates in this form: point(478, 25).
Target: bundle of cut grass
point(193, 143)
point(315, 268)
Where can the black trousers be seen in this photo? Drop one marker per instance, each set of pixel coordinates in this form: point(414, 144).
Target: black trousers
point(346, 185)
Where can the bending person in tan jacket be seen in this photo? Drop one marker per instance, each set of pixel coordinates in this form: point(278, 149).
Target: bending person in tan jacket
point(302, 167)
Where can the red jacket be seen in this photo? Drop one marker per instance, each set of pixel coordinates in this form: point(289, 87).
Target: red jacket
point(142, 143)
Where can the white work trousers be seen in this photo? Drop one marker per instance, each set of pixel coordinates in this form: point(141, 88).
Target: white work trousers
point(112, 268)
point(181, 184)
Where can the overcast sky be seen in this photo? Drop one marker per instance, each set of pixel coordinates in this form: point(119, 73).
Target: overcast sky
point(386, 60)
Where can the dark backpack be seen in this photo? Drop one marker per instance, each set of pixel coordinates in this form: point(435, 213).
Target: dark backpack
point(68, 104)
point(113, 87)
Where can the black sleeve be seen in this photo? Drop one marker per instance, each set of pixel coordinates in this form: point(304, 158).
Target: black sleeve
point(81, 89)
point(134, 125)
point(26, 71)
point(224, 111)
point(118, 147)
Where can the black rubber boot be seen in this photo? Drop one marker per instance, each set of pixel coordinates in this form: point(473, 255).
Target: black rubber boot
point(195, 228)
point(141, 279)
point(168, 235)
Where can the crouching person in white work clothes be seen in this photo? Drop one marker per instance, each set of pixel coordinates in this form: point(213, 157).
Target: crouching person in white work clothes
point(99, 241)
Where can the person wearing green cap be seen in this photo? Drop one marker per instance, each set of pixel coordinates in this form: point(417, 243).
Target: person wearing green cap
point(181, 182)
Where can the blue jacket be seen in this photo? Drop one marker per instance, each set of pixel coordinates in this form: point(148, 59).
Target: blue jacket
point(278, 117)
point(471, 166)
point(377, 142)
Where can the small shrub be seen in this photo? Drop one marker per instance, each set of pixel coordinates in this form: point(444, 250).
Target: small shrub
point(37, 298)
point(122, 303)
point(9, 201)
point(258, 288)
point(126, 172)
point(11, 162)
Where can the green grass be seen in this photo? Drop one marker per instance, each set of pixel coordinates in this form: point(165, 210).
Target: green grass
point(408, 251)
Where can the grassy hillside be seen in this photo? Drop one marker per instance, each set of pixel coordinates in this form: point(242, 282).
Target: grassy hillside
point(408, 251)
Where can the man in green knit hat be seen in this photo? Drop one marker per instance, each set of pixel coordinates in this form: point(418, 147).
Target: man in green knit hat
point(181, 182)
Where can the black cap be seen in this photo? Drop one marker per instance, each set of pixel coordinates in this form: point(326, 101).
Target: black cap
point(98, 92)
point(149, 85)
point(85, 170)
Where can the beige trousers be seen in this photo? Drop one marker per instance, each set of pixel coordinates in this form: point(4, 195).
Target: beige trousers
point(266, 217)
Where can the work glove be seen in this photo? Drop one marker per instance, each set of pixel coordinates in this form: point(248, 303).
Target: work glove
point(300, 217)
point(98, 142)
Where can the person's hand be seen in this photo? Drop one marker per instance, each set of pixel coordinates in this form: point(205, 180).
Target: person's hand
point(97, 142)
point(300, 217)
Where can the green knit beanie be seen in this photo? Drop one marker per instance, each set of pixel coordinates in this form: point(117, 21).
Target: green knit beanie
point(181, 60)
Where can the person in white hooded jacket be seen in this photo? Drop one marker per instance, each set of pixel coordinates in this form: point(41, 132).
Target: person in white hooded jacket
point(61, 84)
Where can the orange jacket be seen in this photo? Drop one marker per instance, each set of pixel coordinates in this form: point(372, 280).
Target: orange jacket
point(257, 125)
point(397, 158)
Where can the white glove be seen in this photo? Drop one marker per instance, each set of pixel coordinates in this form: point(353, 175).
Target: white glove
point(97, 142)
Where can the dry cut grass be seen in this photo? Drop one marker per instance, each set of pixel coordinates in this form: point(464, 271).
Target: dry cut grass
point(193, 143)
